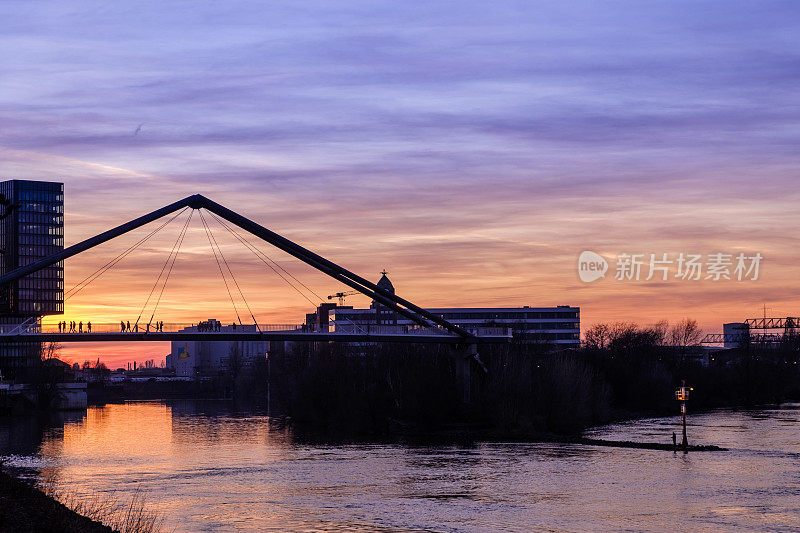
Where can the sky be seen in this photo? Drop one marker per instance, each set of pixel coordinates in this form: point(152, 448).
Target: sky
point(472, 149)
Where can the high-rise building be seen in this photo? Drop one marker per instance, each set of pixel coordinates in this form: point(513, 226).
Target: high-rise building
point(31, 228)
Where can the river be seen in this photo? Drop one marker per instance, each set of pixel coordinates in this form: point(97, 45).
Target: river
point(206, 467)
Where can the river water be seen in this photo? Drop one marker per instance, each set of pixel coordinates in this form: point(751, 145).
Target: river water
point(206, 467)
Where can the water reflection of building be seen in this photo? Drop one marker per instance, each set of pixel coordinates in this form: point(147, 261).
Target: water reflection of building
point(31, 228)
point(204, 358)
point(558, 325)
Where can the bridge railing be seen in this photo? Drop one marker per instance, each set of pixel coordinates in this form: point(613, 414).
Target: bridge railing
point(168, 327)
point(346, 326)
point(84, 328)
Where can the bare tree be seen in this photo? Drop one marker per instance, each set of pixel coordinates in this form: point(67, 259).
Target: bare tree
point(597, 337)
point(50, 350)
point(661, 332)
point(685, 333)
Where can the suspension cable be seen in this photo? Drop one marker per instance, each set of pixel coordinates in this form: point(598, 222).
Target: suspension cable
point(219, 266)
point(258, 253)
point(105, 268)
point(183, 231)
point(166, 279)
point(277, 264)
point(235, 282)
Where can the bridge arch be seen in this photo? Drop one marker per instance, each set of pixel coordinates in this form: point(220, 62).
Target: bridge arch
point(386, 297)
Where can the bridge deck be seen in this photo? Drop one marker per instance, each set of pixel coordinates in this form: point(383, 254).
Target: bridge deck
point(241, 336)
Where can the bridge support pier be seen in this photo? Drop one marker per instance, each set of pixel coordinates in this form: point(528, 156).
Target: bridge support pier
point(463, 355)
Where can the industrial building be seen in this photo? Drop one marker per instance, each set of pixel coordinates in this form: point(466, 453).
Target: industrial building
point(31, 227)
point(766, 333)
point(558, 325)
point(208, 358)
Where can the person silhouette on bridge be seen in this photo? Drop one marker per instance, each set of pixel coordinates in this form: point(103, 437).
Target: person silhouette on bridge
point(59, 327)
point(88, 327)
point(129, 326)
point(80, 326)
point(122, 326)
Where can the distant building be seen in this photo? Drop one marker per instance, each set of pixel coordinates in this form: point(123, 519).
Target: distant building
point(736, 334)
point(319, 319)
point(762, 333)
point(206, 358)
point(558, 325)
point(31, 228)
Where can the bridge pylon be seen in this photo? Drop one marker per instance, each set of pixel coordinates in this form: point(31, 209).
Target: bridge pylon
point(463, 356)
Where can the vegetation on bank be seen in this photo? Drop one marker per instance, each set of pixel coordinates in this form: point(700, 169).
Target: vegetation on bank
point(46, 508)
point(125, 516)
point(527, 390)
point(25, 508)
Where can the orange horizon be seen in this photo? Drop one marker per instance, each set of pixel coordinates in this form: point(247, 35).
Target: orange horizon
point(195, 290)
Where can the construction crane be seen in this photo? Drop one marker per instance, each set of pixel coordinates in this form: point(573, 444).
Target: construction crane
point(342, 296)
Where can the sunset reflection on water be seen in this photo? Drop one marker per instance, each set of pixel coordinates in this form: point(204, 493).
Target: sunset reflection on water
point(206, 466)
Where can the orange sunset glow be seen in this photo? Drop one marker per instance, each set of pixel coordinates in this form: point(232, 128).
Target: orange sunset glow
point(363, 266)
point(441, 249)
point(474, 181)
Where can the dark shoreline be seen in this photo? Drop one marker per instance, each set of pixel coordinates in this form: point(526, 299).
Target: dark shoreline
point(406, 432)
point(25, 508)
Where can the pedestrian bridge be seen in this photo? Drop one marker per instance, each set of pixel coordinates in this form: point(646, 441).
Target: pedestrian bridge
point(108, 332)
point(225, 218)
point(428, 327)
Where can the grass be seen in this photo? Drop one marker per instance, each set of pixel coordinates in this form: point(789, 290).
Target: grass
point(129, 516)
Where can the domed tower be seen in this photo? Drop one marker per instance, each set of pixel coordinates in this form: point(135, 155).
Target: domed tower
point(384, 315)
point(384, 282)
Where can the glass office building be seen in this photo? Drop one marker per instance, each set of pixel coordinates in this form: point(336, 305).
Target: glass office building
point(31, 227)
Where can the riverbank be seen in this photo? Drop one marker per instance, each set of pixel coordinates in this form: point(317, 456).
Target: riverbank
point(518, 392)
point(25, 508)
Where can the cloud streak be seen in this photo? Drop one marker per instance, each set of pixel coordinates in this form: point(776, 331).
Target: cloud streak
point(472, 149)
